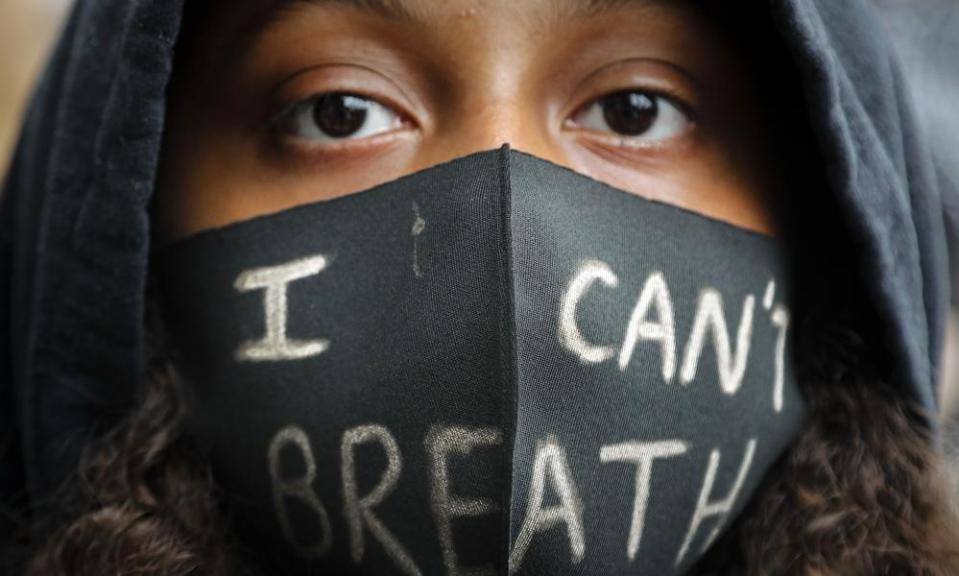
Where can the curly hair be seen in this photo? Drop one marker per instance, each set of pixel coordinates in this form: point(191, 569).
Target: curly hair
point(860, 492)
point(142, 500)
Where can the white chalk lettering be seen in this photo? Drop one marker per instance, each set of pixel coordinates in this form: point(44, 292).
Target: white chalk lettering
point(569, 334)
point(720, 508)
point(419, 225)
point(441, 442)
point(642, 454)
point(552, 501)
point(552, 457)
point(359, 509)
point(299, 488)
point(275, 346)
point(769, 295)
point(709, 316)
point(780, 321)
point(663, 330)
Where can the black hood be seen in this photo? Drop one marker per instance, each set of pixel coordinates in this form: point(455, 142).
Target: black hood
point(76, 238)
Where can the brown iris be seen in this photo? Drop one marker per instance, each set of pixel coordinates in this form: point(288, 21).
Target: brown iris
point(629, 113)
point(340, 115)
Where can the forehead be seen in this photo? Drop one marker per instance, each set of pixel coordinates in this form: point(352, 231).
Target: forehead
point(230, 24)
point(256, 15)
point(478, 17)
point(424, 9)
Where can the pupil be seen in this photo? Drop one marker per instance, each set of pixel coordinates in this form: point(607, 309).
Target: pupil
point(340, 115)
point(630, 113)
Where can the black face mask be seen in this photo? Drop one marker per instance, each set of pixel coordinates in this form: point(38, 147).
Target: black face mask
point(494, 365)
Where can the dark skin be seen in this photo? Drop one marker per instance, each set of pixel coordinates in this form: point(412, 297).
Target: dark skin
point(281, 106)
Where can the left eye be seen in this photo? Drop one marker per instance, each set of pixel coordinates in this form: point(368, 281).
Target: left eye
point(339, 116)
point(635, 115)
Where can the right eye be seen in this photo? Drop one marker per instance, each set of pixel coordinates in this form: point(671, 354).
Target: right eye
point(338, 116)
point(635, 115)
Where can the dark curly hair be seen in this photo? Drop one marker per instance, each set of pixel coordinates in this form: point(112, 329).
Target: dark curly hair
point(860, 492)
point(142, 500)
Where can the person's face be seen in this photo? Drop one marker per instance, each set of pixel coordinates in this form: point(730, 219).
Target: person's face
point(283, 103)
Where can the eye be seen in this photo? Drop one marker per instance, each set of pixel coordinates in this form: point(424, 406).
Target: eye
point(340, 116)
point(634, 115)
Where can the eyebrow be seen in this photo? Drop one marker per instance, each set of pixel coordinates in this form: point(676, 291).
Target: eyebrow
point(400, 10)
point(392, 9)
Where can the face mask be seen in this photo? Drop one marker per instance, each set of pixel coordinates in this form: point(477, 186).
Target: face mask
point(492, 366)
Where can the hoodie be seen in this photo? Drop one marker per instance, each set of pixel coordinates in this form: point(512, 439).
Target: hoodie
point(75, 237)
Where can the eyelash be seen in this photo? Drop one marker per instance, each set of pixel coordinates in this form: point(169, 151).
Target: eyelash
point(661, 106)
point(301, 119)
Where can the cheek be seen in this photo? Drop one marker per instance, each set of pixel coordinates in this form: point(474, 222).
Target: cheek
point(211, 184)
point(700, 177)
point(213, 178)
point(206, 181)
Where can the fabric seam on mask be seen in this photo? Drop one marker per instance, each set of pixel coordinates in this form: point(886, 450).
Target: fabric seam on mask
point(507, 336)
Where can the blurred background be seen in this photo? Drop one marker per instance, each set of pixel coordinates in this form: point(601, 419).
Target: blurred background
point(925, 34)
point(27, 30)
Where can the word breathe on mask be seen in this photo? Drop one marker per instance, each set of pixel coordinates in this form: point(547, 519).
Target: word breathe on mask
point(493, 366)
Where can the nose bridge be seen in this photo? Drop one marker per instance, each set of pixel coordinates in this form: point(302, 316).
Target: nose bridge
point(498, 114)
point(500, 119)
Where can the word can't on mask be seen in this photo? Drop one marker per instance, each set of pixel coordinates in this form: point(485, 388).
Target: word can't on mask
point(492, 366)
